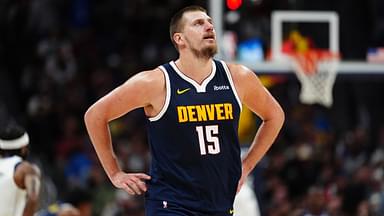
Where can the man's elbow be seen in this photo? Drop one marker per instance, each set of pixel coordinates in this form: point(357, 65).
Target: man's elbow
point(280, 115)
point(277, 116)
point(96, 115)
point(90, 115)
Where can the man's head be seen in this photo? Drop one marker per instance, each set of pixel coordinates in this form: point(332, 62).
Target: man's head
point(81, 199)
point(192, 28)
point(13, 139)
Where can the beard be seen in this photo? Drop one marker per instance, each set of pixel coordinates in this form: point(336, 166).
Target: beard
point(205, 52)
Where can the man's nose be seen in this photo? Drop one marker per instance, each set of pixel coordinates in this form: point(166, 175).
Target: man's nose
point(209, 26)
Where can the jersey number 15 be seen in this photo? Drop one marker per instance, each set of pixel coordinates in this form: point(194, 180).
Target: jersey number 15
point(208, 139)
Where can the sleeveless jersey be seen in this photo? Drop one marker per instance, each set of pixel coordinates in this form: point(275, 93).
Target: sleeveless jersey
point(12, 198)
point(194, 143)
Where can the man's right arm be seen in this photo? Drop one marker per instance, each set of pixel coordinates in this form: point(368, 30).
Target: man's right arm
point(27, 176)
point(138, 91)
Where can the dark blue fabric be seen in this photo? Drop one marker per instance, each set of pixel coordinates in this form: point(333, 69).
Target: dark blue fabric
point(181, 174)
point(159, 208)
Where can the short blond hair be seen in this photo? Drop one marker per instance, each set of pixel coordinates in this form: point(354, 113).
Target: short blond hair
point(176, 25)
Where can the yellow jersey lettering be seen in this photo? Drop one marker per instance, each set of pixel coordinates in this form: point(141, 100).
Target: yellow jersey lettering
point(192, 113)
point(220, 111)
point(182, 114)
point(206, 112)
point(211, 111)
point(201, 113)
point(228, 111)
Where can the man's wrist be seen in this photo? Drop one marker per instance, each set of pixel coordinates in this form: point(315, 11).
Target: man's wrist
point(246, 167)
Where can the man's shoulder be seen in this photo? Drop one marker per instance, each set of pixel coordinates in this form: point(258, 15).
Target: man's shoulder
point(151, 76)
point(26, 167)
point(148, 79)
point(231, 65)
point(235, 69)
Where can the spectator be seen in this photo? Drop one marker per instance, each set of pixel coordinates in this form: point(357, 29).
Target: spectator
point(19, 179)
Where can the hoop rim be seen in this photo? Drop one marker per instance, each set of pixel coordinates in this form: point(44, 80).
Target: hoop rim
point(308, 62)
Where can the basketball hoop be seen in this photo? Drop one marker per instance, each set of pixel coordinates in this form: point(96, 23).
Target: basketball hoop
point(316, 70)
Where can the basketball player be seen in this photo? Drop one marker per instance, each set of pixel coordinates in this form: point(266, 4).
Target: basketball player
point(193, 106)
point(19, 179)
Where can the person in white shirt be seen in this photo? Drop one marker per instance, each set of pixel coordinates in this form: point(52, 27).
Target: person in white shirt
point(19, 179)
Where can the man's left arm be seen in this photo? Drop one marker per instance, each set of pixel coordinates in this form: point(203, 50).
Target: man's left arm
point(257, 98)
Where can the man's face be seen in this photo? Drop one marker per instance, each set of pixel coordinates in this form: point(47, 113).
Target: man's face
point(198, 34)
point(24, 152)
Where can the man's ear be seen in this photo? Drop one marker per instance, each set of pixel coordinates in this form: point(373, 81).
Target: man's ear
point(178, 38)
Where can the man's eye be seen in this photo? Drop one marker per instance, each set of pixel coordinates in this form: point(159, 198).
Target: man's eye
point(199, 23)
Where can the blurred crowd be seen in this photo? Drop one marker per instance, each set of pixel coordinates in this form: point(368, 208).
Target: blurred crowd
point(58, 57)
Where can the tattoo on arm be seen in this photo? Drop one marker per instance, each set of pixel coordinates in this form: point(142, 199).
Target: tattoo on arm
point(32, 186)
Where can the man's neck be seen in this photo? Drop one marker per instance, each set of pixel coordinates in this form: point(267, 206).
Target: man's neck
point(196, 68)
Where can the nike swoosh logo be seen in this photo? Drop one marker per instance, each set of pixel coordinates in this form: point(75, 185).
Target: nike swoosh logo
point(182, 91)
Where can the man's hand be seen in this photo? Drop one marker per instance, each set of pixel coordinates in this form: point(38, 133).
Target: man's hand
point(241, 182)
point(133, 183)
point(244, 174)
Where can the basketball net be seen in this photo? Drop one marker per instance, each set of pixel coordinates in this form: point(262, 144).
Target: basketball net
point(316, 70)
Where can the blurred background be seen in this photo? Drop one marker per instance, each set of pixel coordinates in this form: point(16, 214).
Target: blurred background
point(58, 57)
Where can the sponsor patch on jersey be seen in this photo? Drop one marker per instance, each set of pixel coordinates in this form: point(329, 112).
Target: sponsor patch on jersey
point(220, 88)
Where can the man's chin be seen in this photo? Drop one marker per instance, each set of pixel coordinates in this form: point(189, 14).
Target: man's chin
point(210, 51)
point(206, 52)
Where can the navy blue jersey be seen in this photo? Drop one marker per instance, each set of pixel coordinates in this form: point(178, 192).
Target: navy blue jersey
point(194, 144)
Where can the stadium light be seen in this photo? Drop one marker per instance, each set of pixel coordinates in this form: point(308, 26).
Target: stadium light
point(234, 4)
